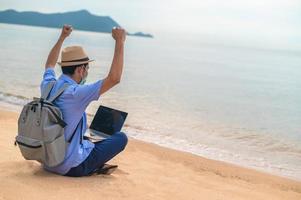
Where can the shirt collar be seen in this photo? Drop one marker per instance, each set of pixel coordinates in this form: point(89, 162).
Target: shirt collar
point(68, 79)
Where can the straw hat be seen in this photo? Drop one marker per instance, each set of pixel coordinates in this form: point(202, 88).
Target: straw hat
point(73, 55)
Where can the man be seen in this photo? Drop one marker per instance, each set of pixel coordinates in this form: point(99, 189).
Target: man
point(83, 157)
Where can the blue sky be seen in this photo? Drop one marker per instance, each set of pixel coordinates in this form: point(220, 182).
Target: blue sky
point(273, 21)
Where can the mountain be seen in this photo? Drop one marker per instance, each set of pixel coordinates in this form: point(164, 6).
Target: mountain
point(80, 20)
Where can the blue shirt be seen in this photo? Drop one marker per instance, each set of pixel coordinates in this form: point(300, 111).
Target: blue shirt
point(72, 103)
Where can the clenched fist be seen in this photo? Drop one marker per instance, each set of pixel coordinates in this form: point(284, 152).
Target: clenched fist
point(118, 34)
point(66, 30)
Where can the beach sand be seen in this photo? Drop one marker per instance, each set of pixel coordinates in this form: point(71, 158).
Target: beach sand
point(146, 171)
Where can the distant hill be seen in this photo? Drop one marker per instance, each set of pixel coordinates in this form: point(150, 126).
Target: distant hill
point(80, 20)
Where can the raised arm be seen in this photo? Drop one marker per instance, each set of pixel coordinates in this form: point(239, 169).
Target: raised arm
point(114, 75)
point(55, 51)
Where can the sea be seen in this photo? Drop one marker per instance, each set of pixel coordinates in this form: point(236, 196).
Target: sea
point(233, 103)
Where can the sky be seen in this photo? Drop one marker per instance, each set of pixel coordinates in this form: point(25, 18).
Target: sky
point(270, 21)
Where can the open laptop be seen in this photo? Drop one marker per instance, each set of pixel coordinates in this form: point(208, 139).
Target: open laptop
point(105, 123)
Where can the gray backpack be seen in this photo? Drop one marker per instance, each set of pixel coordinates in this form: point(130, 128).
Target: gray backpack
point(41, 129)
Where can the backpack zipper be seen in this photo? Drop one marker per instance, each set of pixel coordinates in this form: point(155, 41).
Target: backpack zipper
point(27, 145)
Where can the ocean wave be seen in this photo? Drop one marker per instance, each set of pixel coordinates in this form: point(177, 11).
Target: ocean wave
point(256, 158)
point(14, 99)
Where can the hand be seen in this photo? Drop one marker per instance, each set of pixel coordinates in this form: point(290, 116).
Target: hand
point(118, 34)
point(66, 31)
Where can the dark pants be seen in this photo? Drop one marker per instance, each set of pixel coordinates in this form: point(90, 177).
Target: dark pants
point(103, 151)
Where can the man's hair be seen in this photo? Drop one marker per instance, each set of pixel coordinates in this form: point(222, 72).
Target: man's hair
point(69, 70)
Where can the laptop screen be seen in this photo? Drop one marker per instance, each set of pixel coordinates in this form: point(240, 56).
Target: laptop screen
point(108, 120)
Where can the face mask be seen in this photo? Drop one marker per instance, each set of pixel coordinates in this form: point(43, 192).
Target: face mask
point(84, 79)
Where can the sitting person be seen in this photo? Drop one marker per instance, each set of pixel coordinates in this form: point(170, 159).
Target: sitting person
point(83, 157)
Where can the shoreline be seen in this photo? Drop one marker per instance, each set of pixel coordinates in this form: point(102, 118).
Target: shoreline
point(146, 171)
point(17, 108)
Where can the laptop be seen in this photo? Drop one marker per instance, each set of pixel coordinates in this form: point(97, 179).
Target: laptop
point(105, 123)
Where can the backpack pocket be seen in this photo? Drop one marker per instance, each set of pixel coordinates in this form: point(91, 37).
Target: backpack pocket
point(31, 149)
point(55, 151)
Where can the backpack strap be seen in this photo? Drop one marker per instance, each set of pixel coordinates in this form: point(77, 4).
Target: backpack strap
point(80, 122)
point(59, 92)
point(60, 121)
point(47, 91)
